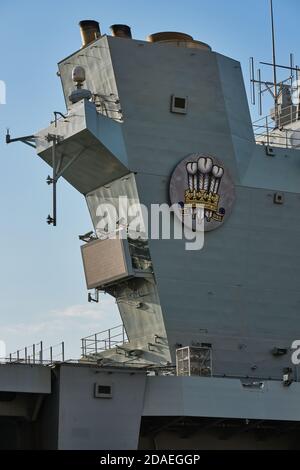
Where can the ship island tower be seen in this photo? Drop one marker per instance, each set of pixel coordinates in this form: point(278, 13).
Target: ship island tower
point(204, 355)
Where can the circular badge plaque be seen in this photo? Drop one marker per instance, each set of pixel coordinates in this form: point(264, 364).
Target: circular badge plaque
point(202, 192)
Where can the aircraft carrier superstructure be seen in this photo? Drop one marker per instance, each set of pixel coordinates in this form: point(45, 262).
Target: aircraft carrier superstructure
point(205, 359)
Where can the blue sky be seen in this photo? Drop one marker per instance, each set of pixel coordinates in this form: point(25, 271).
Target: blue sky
point(42, 288)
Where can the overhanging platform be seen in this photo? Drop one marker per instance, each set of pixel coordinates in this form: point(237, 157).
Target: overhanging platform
point(221, 398)
point(25, 378)
point(90, 148)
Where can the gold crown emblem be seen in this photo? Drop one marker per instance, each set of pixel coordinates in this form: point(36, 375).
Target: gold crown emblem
point(209, 200)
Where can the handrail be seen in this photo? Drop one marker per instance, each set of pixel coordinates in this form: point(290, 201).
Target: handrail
point(274, 132)
point(37, 354)
point(103, 340)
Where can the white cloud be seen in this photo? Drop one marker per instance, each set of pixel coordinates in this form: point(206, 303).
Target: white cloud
point(79, 311)
point(69, 324)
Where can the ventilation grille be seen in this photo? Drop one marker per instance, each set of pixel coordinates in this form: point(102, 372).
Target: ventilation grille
point(179, 104)
point(102, 390)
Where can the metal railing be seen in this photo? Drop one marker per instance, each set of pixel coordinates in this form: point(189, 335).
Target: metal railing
point(107, 339)
point(274, 132)
point(37, 354)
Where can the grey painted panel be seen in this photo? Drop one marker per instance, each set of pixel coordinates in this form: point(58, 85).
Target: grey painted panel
point(142, 322)
point(23, 378)
point(234, 95)
point(141, 312)
point(281, 172)
point(149, 127)
point(92, 426)
point(108, 131)
point(244, 150)
point(196, 396)
point(124, 188)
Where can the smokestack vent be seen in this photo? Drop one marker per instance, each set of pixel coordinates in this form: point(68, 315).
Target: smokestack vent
point(121, 31)
point(89, 30)
point(178, 39)
point(169, 36)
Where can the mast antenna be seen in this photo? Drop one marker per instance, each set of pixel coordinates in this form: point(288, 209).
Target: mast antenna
point(274, 58)
point(285, 111)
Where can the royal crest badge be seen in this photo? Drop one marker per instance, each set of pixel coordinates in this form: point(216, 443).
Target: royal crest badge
point(202, 192)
